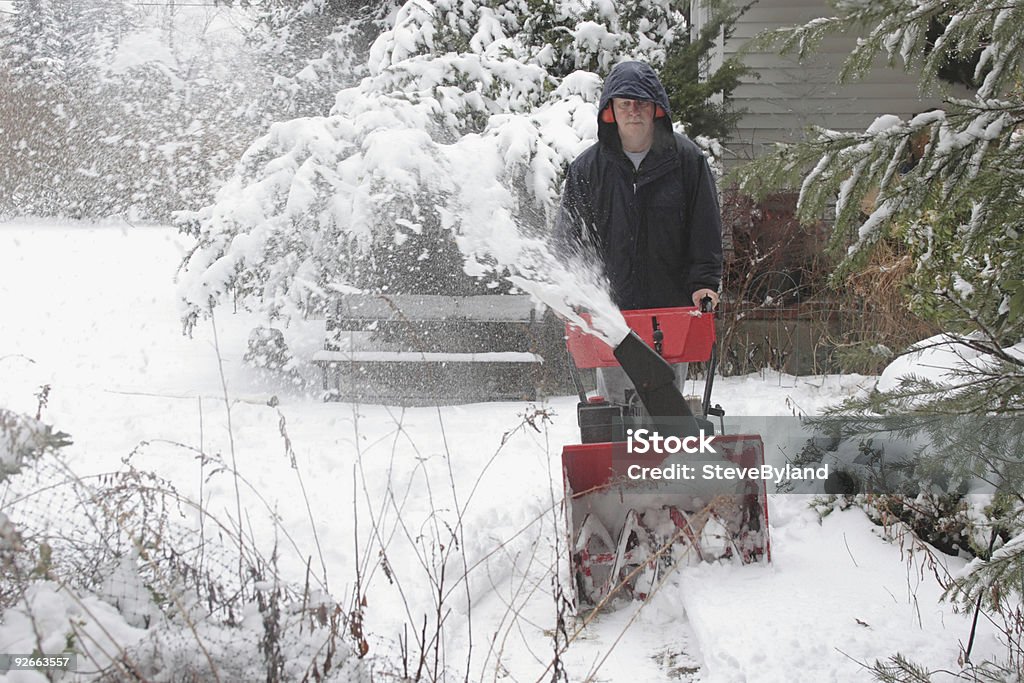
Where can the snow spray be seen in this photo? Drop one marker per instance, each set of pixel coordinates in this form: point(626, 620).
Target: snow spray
point(569, 287)
point(570, 290)
point(493, 230)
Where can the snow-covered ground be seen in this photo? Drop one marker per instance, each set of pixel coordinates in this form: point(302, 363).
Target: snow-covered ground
point(375, 491)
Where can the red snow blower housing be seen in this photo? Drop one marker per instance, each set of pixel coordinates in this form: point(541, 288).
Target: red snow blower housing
point(652, 486)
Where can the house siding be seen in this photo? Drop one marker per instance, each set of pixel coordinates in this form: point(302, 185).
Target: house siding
point(791, 96)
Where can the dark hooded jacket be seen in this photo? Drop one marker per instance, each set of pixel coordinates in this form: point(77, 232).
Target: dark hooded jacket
point(657, 229)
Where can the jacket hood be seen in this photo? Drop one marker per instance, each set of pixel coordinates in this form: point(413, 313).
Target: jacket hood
point(635, 81)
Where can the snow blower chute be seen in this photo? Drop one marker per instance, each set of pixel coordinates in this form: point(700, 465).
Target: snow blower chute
point(652, 486)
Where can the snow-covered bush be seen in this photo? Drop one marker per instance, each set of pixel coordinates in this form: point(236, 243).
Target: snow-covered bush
point(114, 570)
point(24, 439)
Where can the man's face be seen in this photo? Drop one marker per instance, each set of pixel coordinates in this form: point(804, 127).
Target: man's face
point(635, 119)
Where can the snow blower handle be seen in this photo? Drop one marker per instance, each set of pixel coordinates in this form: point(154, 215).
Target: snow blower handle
point(706, 306)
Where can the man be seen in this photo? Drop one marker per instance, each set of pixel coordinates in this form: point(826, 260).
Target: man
point(644, 201)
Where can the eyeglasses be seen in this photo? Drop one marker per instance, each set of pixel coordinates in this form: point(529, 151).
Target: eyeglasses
point(625, 105)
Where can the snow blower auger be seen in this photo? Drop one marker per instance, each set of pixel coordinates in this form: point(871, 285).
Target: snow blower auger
point(651, 486)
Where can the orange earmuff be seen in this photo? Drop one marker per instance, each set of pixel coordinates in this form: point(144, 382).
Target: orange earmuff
point(608, 115)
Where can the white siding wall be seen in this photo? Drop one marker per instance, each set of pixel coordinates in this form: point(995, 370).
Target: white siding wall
point(790, 96)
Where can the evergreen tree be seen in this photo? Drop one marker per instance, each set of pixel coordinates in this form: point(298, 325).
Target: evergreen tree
point(702, 103)
point(111, 111)
point(948, 185)
point(40, 62)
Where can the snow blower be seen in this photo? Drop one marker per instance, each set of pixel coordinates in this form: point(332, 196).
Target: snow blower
point(652, 486)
